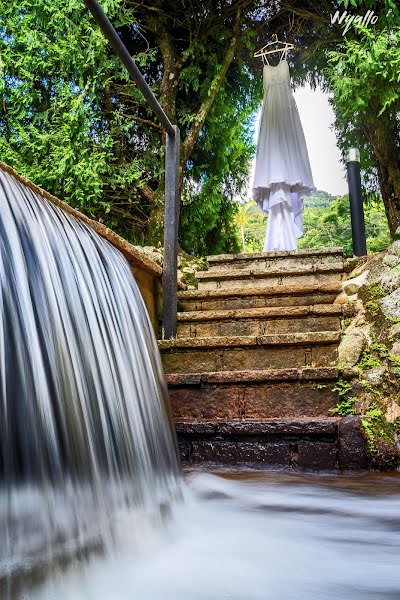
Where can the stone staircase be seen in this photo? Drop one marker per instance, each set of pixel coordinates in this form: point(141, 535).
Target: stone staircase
point(252, 370)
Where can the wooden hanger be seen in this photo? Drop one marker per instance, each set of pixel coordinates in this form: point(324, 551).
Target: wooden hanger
point(285, 46)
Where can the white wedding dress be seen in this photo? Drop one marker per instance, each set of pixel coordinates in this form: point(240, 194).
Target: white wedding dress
point(282, 174)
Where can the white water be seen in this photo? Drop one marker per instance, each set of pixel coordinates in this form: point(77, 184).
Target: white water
point(84, 431)
point(254, 537)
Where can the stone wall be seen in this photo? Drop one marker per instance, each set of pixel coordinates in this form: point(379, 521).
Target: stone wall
point(371, 345)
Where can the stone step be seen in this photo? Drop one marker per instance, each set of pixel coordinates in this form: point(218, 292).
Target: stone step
point(277, 260)
point(248, 395)
point(258, 297)
point(191, 355)
point(248, 278)
point(260, 321)
point(309, 444)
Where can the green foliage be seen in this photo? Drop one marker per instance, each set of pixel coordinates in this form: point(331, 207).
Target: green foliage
point(368, 361)
point(55, 71)
point(218, 173)
point(374, 424)
point(346, 406)
point(74, 123)
point(363, 74)
point(251, 223)
point(327, 223)
point(342, 387)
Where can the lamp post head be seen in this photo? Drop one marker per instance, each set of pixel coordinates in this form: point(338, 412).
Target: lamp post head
point(353, 155)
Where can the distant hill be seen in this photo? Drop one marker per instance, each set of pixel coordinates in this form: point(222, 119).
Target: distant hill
point(319, 199)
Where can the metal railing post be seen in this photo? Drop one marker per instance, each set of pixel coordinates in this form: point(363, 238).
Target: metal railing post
point(356, 203)
point(172, 155)
point(171, 218)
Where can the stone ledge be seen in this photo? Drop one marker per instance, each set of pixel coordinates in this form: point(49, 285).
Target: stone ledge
point(306, 374)
point(266, 273)
point(276, 290)
point(283, 339)
point(328, 426)
point(277, 312)
point(281, 254)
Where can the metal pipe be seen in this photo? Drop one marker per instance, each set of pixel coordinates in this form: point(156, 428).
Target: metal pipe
point(107, 28)
point(356, 203)
point(172, 157)
point(171, 220)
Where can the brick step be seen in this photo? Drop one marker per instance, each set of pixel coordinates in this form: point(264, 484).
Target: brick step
point(276, 260)
point(248, 278)
point(191, 355)
point(249, 395)
point(258, 297)
point(305, 444)
point(260, 321)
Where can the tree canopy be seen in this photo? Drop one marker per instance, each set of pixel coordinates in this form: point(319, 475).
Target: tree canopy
point(73, 122)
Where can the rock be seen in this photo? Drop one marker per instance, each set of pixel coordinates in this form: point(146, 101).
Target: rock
point(394, 248)
point(390, 305)
point(374, 376)
point(390, 280)
point(391, 260)
point(352, 445)
point(396, 347)
point(394, 331)
point(342, 298)
point(352, 286)
point(351, 347)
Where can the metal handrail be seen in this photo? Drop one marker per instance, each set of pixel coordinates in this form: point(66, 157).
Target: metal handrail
point(172, 154)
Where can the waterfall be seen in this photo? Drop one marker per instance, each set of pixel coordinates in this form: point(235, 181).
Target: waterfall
point(84, 430)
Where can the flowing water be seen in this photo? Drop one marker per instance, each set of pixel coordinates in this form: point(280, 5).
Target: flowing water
point(254, 536)
point(91, 503)
point(85, 439)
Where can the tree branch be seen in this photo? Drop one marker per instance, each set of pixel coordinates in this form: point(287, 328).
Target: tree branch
point(188, 144)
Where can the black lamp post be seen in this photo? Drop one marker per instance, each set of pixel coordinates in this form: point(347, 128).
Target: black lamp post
point(356, 202)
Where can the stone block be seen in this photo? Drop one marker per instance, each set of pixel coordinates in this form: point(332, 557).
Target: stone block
point(234, 453)
point(352, 445)
point(317, 456)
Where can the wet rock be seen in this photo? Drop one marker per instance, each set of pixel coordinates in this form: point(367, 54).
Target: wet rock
point(396, 347)
point(386, 456)
point(317, 456)
point(352, 286)
point(394, 248)
point(352, 445)
point(375, 375)
point(390, 280)
point(390, 305)
point(351, 347)
point(394, 331)
point(342, 298)
point(391, 260)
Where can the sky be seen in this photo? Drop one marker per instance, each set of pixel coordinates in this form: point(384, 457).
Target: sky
point(317, 118)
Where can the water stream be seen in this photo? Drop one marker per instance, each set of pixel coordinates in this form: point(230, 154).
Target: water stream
point(85, 438)
point(254, 536)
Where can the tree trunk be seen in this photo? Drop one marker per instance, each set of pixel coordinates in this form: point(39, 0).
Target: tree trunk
point(172, 65)
point(383, 138)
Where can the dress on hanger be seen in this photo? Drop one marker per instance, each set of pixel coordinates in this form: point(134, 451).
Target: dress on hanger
point(282, 174)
